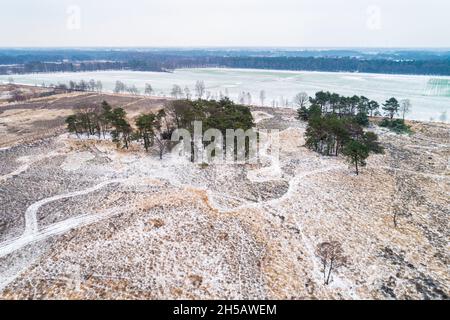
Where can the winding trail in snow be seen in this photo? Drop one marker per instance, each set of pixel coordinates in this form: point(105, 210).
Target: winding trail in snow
point(295, 181)
point(31, 224)
point(10, 246)
point(58, 228)
point(293, 186)
point(32, 233)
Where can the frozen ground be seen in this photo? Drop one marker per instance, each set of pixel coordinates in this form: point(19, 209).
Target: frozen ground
point(79, 219)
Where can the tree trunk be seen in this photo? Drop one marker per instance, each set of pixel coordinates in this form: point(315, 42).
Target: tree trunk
point(329, 273)
point(146, 143)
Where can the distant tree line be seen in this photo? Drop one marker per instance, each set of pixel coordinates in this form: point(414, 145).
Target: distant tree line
point(21, 56)
point(160, 61)
point(328, 64)
point(47, 67)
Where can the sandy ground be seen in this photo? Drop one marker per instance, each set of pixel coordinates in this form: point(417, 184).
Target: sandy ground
point(80, 219)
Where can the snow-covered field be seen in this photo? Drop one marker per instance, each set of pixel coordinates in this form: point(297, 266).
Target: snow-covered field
point(429, 95)
point(80, 219)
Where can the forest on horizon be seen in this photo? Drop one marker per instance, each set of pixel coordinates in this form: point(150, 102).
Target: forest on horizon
point(401, 61)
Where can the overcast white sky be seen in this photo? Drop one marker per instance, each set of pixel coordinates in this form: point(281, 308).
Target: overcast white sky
point(294, 23)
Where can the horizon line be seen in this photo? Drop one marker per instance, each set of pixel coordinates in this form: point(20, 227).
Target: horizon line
point(233, 47)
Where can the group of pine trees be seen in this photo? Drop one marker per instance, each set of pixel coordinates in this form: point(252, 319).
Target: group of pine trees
point(341, 106)
point(222, 115)
point(155, 129)
point(104, 121)
point(336, 126)
point(335, 123)
point(101, 121)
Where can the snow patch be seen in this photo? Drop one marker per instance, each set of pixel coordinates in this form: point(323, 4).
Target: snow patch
point(75, 161)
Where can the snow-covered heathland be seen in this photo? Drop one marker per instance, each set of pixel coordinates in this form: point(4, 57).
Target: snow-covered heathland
point(81, 219)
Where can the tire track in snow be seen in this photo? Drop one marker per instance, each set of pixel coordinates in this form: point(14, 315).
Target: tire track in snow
point(31, 224)
point(58, 228)
point(32, 233)
point(55, 229)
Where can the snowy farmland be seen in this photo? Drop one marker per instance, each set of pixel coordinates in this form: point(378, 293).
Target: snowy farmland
point(430, 96)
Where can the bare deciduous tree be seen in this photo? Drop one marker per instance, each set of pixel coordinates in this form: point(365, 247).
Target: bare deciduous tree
point(332, 257)
point(120, 87)
point(405, 107)
point(148, 89)
point(92, 85)
point(262, 97)
point(200, 89)
point(301, 99)
point(187, 92)
point(163, 132)
point(99, 86)
point(249, 98)
point(176, 92)
point(241, 98)
point(133, 90)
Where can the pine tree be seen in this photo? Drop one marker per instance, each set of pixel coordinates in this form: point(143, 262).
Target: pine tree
point(391, 107)
point(145, 125)
point(356, 153)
